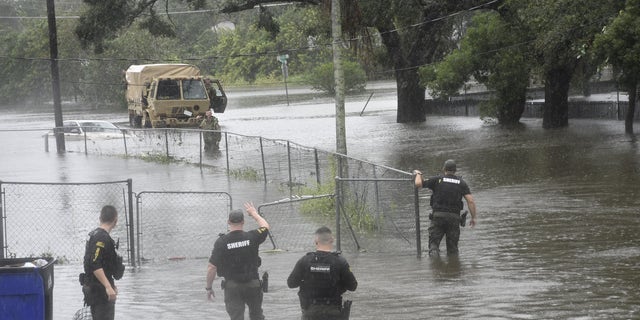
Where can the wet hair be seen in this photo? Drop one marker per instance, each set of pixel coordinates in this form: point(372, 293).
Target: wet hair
point(324, 236)
point(108, 214)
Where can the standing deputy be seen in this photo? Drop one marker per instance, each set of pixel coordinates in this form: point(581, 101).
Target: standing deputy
point(235, 257)
point(323, 276)
point(101, 266)
point(446, 202)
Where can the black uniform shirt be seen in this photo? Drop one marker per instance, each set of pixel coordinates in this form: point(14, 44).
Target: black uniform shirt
point(322, 275)
point(100, 253)
point(235, 254)
point(447, 194)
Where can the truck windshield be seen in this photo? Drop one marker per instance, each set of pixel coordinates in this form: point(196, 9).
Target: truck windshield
point(168, 90)
point(193, 89)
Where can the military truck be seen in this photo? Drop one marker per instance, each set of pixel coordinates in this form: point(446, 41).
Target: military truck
point(171, 95)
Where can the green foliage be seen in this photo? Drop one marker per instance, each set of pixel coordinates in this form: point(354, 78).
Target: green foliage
point(243, 55)
point(246, 173)
point(490, 53)
point(355, 210)
point(160, 158)
point(618, 44)
point(322, 77)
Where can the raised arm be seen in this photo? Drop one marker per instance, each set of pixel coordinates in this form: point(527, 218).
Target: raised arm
point(251, 210)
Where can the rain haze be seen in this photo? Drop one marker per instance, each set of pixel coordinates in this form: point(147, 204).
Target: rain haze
point(557, 233)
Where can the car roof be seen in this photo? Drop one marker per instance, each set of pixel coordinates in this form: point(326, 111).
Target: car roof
point(89, 122)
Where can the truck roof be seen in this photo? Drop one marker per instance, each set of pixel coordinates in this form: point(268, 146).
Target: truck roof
point(141, 73)
point(138, 75)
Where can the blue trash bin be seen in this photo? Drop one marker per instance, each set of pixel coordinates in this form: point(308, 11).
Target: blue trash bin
point(26, 291)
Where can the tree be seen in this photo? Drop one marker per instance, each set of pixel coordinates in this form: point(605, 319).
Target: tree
point(618, 47)
point(492, 53)
point(414, 34)
point(563, 32)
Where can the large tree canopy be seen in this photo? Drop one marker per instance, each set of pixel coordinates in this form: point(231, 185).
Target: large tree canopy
point(563, 33)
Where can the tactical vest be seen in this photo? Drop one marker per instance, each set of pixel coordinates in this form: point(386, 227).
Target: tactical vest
point(239, 263)
point(448, 195)
point(321, 278)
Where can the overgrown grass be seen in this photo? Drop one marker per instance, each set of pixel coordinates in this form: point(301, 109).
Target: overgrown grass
point(355, 209)
point(246, 173)
point(159, 158)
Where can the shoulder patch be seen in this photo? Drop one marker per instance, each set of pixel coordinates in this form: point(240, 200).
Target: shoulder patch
point(100, 244)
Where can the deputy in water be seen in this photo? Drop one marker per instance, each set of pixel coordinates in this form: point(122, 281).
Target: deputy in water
point(446, 202)
point(323, 276)
point(235, 257)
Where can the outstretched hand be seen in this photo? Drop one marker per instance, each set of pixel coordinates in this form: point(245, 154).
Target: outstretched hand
point(251, 210)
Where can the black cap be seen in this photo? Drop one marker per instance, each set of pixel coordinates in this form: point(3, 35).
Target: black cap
point(450, 165)
point(236, 216)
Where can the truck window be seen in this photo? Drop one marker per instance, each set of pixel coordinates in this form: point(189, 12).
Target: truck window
point(193, 89)
point(168, 90)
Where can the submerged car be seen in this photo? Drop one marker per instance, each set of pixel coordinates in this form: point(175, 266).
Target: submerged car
point(92, 129)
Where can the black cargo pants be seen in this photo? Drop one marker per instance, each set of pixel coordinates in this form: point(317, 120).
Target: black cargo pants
point(237, 294)
point(444, 224)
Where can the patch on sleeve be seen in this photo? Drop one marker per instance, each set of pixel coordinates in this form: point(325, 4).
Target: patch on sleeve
point(262, 229)
point(100, 244)
point(96, 254)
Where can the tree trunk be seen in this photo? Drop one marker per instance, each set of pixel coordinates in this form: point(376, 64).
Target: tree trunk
point(556, 95)
point(510, 112)
point(411, 97)
point(631, 111)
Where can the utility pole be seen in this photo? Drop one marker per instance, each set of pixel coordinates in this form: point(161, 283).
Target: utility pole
point(55, 75)
point(338, 74)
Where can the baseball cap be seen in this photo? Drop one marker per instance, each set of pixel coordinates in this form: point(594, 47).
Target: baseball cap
point(236, 216)
point(450, 165)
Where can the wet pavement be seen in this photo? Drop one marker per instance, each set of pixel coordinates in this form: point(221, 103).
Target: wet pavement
point(557, 236)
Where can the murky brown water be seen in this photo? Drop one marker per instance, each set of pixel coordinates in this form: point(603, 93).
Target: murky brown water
point(558, 235)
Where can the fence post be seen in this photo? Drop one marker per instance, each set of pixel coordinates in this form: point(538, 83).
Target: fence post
point(338, 193)
point(417, 213)
point(200, 146)
point(289, 168)
point(124, 138)
point(166, 141)
point(315, 153)
point(85, 142)
point(264, 166)
point(226, 147)
point(1, 222)
point(132, 245)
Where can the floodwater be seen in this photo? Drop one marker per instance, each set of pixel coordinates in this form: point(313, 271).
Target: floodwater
point(558, 235)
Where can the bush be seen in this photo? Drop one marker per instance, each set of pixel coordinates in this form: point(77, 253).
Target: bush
point(321, 77)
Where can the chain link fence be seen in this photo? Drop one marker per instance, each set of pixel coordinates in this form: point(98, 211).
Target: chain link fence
point(179, 225)
point(54, 219)
point(377, 206)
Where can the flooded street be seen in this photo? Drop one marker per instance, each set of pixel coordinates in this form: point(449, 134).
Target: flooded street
point(558, 235)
